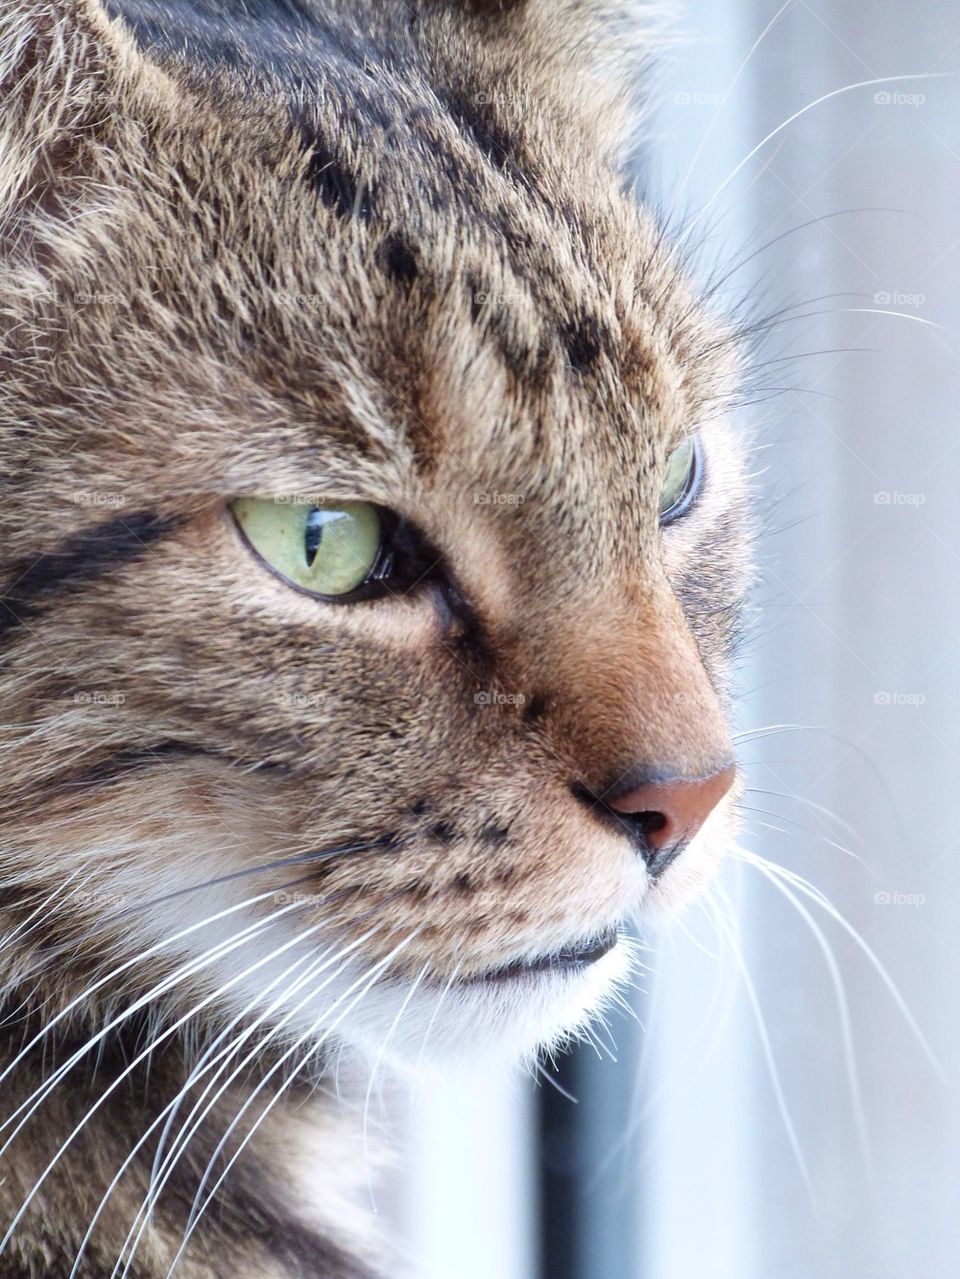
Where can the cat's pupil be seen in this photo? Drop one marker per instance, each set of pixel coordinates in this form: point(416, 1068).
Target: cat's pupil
point(313, 535)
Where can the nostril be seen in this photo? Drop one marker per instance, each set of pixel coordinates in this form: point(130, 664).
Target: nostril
point(654, 827)
point(662, 811)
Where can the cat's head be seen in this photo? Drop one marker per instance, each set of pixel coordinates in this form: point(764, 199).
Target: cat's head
point(372, 537)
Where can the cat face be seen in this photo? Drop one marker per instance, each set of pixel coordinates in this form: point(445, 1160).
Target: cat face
point(421, 810)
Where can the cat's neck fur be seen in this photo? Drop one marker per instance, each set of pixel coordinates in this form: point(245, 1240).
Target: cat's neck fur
point(287, 1208)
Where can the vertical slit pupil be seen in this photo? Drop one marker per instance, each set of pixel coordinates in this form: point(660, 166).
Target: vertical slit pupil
point(313, 535)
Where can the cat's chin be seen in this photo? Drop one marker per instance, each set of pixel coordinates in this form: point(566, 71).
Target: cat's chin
point(502, 1021)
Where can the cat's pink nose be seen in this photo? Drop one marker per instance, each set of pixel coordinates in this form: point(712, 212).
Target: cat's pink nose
point(667, 812)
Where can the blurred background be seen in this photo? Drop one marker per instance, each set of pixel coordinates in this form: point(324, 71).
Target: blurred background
point(786, 1104)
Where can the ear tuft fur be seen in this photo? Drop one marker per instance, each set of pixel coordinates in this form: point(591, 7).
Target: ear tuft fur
point(67, 73)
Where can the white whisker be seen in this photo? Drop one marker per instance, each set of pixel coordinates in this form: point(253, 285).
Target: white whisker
point(108, 1092)
point(369, 980)
point(206, 1063)
point(194, 1120)
point(414, 985)
point(685, 180)
point(825, 97)
point(168, 983)
point(771, 873)
point(555, 1083)
point(436, 1012)
point(126, 966)
point(723, 919)
point(815, 895)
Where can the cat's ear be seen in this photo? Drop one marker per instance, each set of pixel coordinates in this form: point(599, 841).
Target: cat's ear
point(64, 65)
point(583, 59)
point(79, 99)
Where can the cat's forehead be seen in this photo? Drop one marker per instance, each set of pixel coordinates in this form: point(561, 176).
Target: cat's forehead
point(370, 281)
point(389, 309)
point(461, 371)
point(412, 230)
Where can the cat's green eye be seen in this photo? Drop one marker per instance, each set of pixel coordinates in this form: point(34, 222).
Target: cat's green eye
point(681, 481)
point(330, 549)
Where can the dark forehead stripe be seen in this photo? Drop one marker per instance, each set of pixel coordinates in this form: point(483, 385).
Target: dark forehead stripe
point(466, 148)
point(528, 357)
point(83, 558)
point(467, 112)
point(585, 341)
point(399, 259)
point(348, 194)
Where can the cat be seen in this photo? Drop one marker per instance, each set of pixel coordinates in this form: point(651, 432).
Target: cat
point(374, 547)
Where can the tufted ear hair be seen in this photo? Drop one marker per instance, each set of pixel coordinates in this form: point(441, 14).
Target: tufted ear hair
point(585, 59)
point(68, 74)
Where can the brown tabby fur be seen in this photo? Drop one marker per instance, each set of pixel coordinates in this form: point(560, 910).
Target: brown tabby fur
point(395, 264)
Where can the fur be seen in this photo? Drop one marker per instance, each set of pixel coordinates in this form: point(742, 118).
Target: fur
point(327, 249)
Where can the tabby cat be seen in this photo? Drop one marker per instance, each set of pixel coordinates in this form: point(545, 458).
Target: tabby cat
point(373, 545)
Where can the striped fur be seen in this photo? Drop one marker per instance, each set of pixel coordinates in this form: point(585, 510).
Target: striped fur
point(369, 251)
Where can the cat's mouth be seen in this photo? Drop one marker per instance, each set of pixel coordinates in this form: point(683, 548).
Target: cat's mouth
point(568, 959)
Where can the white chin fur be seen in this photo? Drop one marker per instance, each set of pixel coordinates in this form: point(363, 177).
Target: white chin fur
point(479, 1024)
point(408, 1026)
